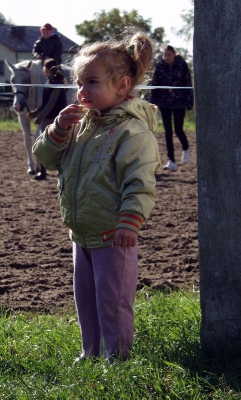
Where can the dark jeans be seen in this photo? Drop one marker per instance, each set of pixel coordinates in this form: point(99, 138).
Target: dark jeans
point(179, 116)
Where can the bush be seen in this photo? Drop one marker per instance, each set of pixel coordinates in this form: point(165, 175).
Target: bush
point(7, 113)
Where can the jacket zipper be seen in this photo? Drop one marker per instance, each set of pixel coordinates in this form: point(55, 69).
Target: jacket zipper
point(77, 180)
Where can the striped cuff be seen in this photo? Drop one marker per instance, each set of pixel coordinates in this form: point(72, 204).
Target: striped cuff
point(130, 221)
point(108, 235)
point(57, 135)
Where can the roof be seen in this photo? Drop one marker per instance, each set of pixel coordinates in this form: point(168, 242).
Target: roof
point(22, 38)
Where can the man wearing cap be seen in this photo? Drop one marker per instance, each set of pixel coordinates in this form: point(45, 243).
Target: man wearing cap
point(49, 45)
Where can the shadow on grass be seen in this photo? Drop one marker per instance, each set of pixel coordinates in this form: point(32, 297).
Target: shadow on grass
point(176, 345)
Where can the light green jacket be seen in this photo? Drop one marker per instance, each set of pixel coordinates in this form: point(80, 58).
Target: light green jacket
point(107, 165)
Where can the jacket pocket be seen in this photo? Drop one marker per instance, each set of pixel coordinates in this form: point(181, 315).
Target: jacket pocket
point(104, 203)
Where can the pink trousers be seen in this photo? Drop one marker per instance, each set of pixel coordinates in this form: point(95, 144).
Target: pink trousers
point(105, 281)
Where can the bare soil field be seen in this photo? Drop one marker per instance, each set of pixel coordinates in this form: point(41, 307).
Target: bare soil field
point(35, 251)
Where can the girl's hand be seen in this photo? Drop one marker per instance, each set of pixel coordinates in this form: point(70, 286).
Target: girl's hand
point(125, 238)
point(69, 115)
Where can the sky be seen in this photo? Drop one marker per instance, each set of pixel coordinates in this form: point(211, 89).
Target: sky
point(65, 15)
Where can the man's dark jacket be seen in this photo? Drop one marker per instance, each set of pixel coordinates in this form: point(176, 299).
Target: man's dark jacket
point(50, 48)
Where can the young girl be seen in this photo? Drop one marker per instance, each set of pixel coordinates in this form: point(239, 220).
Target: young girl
point(107, 156)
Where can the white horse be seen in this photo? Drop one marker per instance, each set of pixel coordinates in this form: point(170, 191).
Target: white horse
point(28, 98)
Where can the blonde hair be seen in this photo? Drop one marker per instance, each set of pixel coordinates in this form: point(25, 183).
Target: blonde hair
point(131, 56)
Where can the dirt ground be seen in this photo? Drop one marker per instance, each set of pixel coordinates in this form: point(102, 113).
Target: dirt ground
point(35, 251)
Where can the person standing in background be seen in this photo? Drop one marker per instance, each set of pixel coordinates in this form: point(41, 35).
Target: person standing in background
point(172, 70)
point(54, 100)
point(49, 45)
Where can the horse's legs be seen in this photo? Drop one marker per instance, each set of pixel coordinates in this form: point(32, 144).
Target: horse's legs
point(25, 124)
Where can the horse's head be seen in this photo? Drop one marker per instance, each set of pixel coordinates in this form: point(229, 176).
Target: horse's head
point(19, 76)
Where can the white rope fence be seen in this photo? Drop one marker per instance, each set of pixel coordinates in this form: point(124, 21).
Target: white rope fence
point(67, 86)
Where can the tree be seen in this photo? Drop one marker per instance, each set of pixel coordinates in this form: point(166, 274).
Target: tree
point(111, 24)
point(186, 32)
point(187, 29)
point(4, 21)
point(217, 37)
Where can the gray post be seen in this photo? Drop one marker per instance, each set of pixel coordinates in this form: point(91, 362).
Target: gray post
point(217, 81)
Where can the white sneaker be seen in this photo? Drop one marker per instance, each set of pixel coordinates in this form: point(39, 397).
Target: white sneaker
point(171, 166)
point(79, 359)
point(186, 156)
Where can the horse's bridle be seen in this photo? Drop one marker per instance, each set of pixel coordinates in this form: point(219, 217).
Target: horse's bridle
point(25, 94)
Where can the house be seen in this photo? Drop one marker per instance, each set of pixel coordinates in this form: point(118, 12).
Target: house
point(16, 44)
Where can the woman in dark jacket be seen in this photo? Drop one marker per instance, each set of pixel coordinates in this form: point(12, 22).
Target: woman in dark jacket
point(173, 71)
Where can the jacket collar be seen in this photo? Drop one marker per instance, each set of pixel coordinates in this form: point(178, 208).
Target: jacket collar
point(95, 116)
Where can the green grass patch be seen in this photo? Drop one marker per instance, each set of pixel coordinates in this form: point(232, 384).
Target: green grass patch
point(9, 121)
point(38, 350)
point(189, 122)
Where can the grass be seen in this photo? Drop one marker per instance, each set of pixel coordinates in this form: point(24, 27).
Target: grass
point(189, 122)
point(9, 121)
point(37, 353)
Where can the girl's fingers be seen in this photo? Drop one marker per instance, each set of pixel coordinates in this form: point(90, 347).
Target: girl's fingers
point(73, 111)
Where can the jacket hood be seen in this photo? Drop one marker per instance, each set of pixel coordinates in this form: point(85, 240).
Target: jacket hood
point(138, 108)
point(142, 110)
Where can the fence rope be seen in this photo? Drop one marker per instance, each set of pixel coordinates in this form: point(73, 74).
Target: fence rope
point(68, 86)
